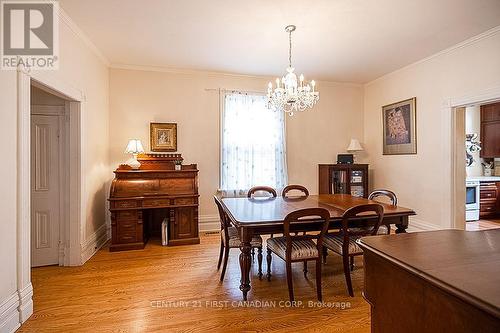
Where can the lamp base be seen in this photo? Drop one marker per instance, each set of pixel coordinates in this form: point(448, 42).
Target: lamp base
point(134, 163)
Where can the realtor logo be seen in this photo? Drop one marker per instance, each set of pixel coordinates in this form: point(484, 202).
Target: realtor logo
point(29, 34)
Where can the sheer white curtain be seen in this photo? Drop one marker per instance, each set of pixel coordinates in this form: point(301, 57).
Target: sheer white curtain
point(253, 144)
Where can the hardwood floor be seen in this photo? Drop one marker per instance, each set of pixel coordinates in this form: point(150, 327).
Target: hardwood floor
point(482, 225)
point(144, 291)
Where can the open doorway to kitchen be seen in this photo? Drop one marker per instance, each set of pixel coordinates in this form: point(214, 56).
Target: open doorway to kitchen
point(476, 160)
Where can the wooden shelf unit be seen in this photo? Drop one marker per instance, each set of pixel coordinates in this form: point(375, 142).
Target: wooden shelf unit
point(343, 179)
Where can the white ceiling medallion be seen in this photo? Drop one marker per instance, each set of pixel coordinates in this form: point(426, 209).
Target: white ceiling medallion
point(290, 95)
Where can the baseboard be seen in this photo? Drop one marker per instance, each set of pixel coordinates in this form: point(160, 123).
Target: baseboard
point(95, 242)
point(9, 314)
point(25, 302)
point(416, 225)
point(209, 223)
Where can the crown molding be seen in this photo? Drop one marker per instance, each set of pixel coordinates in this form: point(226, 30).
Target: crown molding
point(82, 36)
point(186, 71)
point(465, 43)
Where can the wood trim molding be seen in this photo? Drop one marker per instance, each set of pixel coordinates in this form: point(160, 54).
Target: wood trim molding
point(451, 49)
point(416, 225)
point(95, 242)
point(9, 314)
point(209, 223)
point(66, 19)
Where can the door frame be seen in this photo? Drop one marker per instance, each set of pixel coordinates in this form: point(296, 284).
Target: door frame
point(454, 175)
point(76, 104)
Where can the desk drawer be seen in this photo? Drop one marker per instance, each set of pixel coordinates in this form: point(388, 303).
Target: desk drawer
point(124, 204)
point(186, 201)
point(128, 237)
point(156, 202)
point(127, 215)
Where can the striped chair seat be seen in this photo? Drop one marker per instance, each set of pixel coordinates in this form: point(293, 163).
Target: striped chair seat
point(301, 248)
point(382, 230)
point(334, 242)
point(234, 239)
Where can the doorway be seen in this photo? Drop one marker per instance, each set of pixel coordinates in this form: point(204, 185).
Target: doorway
point(463, 127)
point(49, 167)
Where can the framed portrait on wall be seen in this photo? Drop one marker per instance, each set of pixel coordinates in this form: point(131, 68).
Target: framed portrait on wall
point(400, 127)
point(163, 136)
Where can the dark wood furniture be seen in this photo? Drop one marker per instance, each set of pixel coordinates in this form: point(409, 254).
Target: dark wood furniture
point(392, 197)
point(490, 130)
point(343, 179)
point(300, 248)
point(251, 192)
point(440, 281)
point(344, 242)
point(230, 240)
point(489, 201)
point(290, 188)
point(262, 216)
point(156, 185)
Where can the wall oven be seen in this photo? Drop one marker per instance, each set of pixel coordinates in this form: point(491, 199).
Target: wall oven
point(472, 200)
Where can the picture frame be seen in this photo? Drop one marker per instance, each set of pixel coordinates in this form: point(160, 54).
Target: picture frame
point(163, 137)
point(399, 121)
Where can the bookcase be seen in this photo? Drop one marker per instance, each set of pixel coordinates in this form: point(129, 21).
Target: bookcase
point(343, 179)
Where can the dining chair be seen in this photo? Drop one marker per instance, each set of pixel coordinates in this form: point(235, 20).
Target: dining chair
point(255, 189)
point(289, 188)
point(384, 229)
point(344, 241)
point(251, 192)
point(299, 248)
point(230, 239)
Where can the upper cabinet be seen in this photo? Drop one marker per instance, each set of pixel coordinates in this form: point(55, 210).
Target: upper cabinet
point(490, 130)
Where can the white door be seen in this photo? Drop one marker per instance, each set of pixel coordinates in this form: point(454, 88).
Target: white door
point(45, 190)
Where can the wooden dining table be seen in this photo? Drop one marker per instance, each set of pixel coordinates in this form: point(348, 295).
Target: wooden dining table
point(265, 215)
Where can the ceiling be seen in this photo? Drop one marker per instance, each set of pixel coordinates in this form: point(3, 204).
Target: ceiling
point(336, 40)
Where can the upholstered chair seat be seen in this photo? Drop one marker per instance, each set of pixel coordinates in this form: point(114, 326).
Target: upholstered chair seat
point(235, 242)
point(334, 242)
point(301, 248)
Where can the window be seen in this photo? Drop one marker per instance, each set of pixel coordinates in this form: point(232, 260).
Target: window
point(252, 144)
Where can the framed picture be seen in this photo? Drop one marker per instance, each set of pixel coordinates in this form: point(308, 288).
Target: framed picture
point(163, 136)
point(400, 123)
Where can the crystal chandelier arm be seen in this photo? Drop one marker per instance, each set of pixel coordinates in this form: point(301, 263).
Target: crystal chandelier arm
point(290, 48)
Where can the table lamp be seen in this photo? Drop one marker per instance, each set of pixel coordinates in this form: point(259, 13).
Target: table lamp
point(354, 146)
point(134, 147)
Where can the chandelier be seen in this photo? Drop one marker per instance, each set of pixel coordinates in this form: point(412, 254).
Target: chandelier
point(291, 95)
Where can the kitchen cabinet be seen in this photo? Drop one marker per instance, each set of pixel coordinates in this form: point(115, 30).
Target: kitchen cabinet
point(489, 199)
point(490, 130)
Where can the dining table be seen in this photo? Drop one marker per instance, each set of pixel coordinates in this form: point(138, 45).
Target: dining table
point(265, 215)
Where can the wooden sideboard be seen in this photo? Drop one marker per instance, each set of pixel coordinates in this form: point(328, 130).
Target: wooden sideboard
point(437, 281)
point(343, 179)
point(156, 185)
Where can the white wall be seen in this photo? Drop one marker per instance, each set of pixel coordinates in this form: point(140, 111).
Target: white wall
point(469, 69)
point(138, 97)
point(80, 69)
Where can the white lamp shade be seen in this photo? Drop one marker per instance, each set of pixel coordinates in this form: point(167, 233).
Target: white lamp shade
point(354, 145)
point(134, 147)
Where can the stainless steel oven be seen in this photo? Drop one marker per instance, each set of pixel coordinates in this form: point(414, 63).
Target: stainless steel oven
point(472, 200)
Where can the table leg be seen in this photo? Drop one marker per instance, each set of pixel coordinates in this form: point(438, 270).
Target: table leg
point(245, 260)
point(403, 225)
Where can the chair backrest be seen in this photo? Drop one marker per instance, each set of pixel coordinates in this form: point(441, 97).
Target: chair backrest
point(313, 213)
point(384, 193)
point(353, 213)
point(267, 189)
point(294, 187)
point(224, 220)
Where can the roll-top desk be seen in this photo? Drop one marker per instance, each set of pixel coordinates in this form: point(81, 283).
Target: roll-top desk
point(155, 185)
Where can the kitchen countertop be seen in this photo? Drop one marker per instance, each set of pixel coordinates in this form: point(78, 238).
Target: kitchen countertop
point(484, 178)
